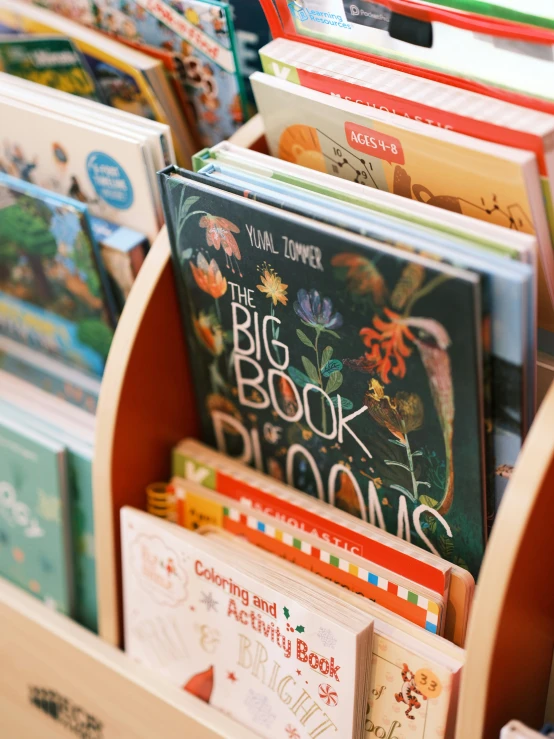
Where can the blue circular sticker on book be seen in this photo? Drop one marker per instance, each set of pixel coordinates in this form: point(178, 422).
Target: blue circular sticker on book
point(110, 180)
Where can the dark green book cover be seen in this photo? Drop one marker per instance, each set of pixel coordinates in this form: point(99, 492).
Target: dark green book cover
point(348, 368)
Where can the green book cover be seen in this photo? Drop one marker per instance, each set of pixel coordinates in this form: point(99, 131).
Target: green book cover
point(535, 13)
point(79, 455)
point(35, 535)
point(54, 61)
point(349, 368)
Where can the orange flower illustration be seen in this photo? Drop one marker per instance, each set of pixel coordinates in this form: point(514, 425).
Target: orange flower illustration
point(219, 233)
point(273, 287)
point(208, 277)
point(387, 345)
point(209, 333)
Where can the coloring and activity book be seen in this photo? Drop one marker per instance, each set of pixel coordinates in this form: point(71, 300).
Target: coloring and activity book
point(269, 650)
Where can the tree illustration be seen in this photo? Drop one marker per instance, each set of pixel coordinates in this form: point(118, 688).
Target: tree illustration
point(84, 262)
point(95, 334)
point(23, 234)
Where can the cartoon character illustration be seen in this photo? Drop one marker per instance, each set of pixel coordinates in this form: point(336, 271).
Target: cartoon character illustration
point(20, 166)
point(300, 145)
point(409, 694)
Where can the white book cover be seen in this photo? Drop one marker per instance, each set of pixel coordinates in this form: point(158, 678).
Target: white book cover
point(250, 646)
point(104, 169)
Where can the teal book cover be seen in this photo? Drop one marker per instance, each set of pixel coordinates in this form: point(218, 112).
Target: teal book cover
point(349, 368)
point(79, 457)
point(54, 293)
point(35, 534)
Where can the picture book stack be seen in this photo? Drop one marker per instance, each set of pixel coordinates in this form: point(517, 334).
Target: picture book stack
point(79, 205)
point(207, 48)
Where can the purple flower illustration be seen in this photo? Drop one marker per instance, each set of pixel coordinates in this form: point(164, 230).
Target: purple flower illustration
point(316, 312)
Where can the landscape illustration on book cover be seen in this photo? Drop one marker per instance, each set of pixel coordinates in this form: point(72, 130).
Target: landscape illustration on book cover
point(51, 294)
point(351, 372)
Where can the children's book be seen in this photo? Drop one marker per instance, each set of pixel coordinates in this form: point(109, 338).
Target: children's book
point(251, 32)
point(123, 252)
point(125, 76)
point(156, 138)
point(106, 169)
point(201, 32)
point(429, 40)
point(54, 293)
point(252, 372)
point(511, 302)
point(399, 652)
point(493, 182)
point(79, 455)
point(49, 60)
point(266, 497)
point(429, 102)
point(74, 386)
point(35, 529)
point(423, 607)
point(269, 649)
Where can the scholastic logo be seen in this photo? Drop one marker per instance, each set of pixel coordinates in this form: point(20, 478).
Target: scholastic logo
point(376, 144)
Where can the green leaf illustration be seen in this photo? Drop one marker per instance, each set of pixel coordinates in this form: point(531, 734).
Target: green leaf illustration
point(422, 482)
point(446, 546)
point(334, 365)
point(326, 356)
point(417, 454)
point(328, 331)
point(300, 629)
point(286, 612)
point(304, 339)
point(187, 254)
point(346, 404)
point(403, 490)
point(397, 464)
point(311, 370)
point(189, 202)
point(299, 378)
point(461, 563)
point(398, 443)
point(430, 502)
point(335, 381)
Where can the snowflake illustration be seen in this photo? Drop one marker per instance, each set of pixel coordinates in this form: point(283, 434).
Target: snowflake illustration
point(259, 708)
point(327, 638)
point(292, 733)
point(209, 601)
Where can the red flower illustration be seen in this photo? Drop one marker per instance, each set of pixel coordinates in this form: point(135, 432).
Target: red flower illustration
point(219, 233)
point(387, 345)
